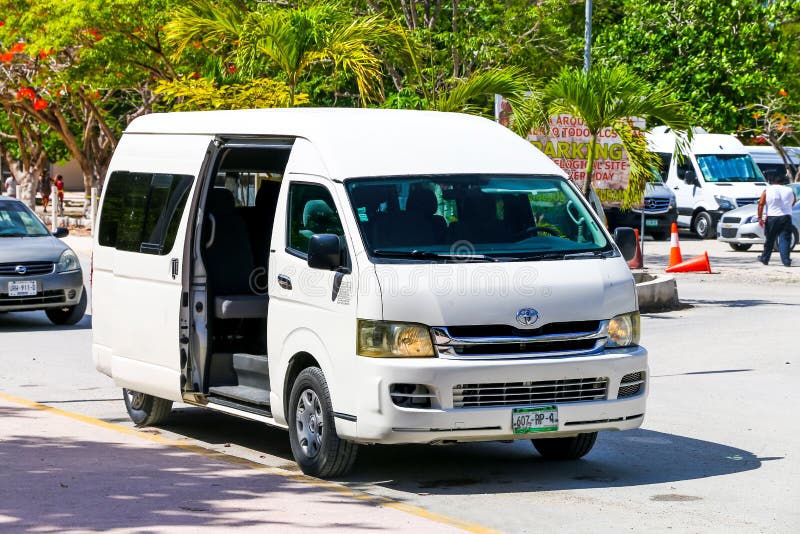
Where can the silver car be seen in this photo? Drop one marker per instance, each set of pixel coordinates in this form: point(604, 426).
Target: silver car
point(37, 271)
point(740, 229)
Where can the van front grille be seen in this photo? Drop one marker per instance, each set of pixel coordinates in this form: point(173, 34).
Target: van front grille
point(30, 268)
point(527, 393)
point(505, 341)
point(745, 201)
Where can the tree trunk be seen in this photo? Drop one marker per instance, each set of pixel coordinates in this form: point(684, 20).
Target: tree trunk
point(587, 186)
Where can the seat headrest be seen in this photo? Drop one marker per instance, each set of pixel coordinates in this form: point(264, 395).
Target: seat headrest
point(220, 201)
point(422, 201)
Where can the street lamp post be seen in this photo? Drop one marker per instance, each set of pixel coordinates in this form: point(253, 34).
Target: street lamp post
point(587, 36)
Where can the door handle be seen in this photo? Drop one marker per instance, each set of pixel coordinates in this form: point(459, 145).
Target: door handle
point(284, 281)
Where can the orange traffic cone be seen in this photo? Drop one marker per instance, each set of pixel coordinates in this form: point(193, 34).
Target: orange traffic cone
point(637, 262)
point(675, 247)
point(694, 265)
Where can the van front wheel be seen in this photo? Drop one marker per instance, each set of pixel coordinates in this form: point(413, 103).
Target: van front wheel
point(703, 225)
point(316, 447)
point(566, 448)
point(144, 409)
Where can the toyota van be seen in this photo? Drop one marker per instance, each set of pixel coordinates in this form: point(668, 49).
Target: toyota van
point(362, 277)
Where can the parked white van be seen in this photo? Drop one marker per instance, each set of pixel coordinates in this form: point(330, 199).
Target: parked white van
point(717, 175)
point(363, 276)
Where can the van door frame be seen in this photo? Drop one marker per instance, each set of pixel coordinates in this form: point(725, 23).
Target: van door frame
point(194, 322)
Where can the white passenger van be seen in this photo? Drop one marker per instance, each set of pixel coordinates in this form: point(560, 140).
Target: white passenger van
point(359, 277)
point(717, 175)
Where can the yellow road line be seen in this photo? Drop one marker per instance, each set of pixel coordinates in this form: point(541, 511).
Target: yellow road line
point(196, 449)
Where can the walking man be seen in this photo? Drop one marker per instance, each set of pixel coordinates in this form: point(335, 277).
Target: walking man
point(775, 216)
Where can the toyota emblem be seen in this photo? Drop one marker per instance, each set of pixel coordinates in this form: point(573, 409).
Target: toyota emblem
point(20, 269)
point(527, 316)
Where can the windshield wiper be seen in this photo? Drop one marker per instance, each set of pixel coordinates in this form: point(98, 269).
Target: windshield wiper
point(564, 255)
point(16, 234)
point(426, 254)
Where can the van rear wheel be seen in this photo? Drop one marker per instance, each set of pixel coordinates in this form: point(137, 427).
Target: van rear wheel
point(316, 447)
point(565, 448)
point(144, 409)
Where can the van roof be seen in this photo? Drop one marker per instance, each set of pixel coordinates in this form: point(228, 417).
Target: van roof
point(372, 142)
point(702, 143)
point(767, 154)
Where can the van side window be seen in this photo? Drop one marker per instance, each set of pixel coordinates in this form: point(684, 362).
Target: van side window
point(311, 211)
point(141, 211)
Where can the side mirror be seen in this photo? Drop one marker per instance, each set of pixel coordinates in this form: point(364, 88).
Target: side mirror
point(324, 252)
point(690, 178)
point(626, 241)
point(61, 231)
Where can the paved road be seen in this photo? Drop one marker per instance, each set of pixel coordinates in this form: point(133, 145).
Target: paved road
point(718, 450)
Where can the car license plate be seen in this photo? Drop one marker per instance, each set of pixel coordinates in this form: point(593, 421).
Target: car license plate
point(534, 419)
point(651, 222)
point(22, 289)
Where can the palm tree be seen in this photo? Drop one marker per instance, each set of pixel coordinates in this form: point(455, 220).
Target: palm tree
point(293, 40)
point(608, 97)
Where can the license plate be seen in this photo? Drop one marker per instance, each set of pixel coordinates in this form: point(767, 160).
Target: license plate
point(534, 419)
point(22, 289)
point(651, 222)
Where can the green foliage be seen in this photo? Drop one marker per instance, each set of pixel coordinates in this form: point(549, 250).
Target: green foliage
point(609, 98)
point(202, 94)
point(718, 56)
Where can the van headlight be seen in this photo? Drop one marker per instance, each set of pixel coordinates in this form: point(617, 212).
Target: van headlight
point(68, 262)
point(623, 330)
point(382, 339)
point(725, 203)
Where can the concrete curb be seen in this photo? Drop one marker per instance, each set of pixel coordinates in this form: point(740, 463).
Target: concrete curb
point(656, 292)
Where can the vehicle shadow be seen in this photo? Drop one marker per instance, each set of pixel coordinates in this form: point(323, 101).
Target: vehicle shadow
point(36, 321)
point(53, 480)
point(739, 303)
point(631, 458)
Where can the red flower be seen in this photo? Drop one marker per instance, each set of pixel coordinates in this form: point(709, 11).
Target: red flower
point(18, 48)
point(7, 57)
point(782, 92)
point(26, 93)
point(231, 68)
point(195, 75)
point(39, 104)
point(2, 23)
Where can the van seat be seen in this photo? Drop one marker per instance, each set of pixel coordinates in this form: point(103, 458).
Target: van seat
point(241, 306)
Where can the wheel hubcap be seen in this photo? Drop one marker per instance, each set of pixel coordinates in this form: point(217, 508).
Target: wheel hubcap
point(135, 399)
point(701, 226)
point(309, 423)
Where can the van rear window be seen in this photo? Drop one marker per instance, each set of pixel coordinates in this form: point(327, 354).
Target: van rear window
point(141, 211)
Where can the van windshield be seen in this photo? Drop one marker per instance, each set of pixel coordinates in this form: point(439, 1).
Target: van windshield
point(729, 168)
point(474, 218)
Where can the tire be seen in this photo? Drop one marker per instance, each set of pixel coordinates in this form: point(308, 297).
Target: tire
point(69, 315)
point(565, 448)
point(795, 239)
point(316, 447)
point(146, 410)
point(703, 225)
point(740, 247)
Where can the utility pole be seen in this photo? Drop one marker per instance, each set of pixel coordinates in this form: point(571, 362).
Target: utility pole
point(587, 36)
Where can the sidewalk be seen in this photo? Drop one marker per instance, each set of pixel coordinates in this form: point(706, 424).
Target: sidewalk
point(62, 472)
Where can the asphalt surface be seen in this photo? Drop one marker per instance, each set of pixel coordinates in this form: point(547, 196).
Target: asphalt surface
point(718, 449)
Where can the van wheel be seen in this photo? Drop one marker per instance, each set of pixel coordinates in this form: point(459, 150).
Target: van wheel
point(740, 247)
point(69, 315)
point(316, 447)
point(703, 225)
point(565, 448)
point(144, 409)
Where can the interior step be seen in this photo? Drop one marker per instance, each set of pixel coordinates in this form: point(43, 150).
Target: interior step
point(251, 370)
point(247, 394)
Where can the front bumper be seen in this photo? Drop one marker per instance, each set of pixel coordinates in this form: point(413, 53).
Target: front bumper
point(380, 420)
point(742, 234)
point(653, 222)
point(54, 291)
